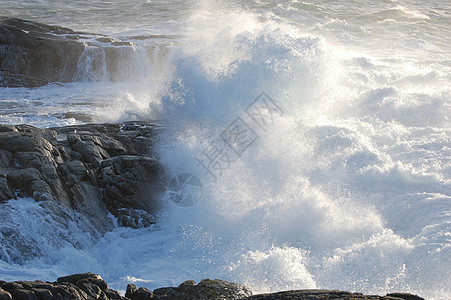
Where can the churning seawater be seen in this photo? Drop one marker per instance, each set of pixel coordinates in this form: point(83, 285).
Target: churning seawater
point(349, 186)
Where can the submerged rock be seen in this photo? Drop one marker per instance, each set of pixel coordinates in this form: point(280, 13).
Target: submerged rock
point(95, 170)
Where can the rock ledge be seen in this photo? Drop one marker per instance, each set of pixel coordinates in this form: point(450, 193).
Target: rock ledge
point(93, 169)
point(92, 286)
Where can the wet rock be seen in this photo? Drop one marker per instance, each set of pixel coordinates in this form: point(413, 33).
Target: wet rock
point(21, 294)
point(131, 289)
point(78, 286)
point(142, 294)
point(79, 279)
point(406, 296)
point(134, 218)
point(206, 289)
point(5, 158)
point(6, 128)
point(95, 170)
point(5, 190)
point(92, 286)
point(131, 182)
point(4, 295)
point(323, 295)
point(34, 54)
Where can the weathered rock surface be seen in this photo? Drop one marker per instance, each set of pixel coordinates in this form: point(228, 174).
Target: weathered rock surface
point(327, 294)
point(206, 289)
point(78, 286)
point(92, 286)
point(94, 169)
point(33, 54)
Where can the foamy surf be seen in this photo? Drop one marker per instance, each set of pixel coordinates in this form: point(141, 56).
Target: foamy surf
point(347, 187)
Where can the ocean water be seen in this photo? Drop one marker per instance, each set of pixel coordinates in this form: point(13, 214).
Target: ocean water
point(346, 186)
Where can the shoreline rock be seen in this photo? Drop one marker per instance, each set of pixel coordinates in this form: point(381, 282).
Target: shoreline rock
point(92, 286)
point(34, 54)
point(96, 170)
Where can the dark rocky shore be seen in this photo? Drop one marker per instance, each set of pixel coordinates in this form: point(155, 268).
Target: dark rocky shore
point(86, 173)
point(35, 54)
point(92, 286)
point(94, 170)
point(97, 170)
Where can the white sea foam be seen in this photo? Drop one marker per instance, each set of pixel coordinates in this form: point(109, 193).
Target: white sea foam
point(348, 188)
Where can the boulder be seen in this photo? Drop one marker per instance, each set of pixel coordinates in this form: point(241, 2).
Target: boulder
point(77, 287)
point(131, 289)
point(406, 296)
point(206, 289)
point(5, 190)
point(142, 294)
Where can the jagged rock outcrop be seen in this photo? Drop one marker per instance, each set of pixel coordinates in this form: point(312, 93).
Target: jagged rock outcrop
point(76, 287)
point(188, 290)
point(92, 286)
point(94, 169)
point(34, 54)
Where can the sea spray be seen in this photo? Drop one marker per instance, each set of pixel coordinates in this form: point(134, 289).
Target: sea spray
point(307, 186)
point(347, 189)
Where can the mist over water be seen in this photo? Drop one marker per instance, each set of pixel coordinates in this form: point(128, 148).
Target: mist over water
point(348, 189)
